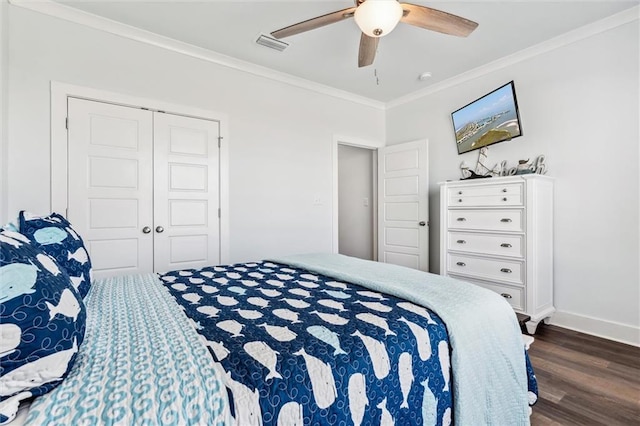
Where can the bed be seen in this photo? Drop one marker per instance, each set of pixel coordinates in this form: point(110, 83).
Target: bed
point(315, 339)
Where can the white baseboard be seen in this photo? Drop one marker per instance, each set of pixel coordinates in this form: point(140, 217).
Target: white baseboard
point(618, 332)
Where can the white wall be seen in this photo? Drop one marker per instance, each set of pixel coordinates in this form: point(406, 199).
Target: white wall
point(280, 136)
point(579, 107)
point(355, 184)
point(4, 49)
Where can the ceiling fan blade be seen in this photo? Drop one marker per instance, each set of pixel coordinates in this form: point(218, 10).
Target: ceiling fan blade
point(313, 23)
point(436, 20)
point(367, 52)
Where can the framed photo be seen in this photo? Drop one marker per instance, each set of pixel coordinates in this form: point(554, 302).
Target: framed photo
point(488, 120)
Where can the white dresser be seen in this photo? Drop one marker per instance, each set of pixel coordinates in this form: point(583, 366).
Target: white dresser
point(498, 233)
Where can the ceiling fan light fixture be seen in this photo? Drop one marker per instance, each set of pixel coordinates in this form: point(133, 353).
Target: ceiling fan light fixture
point(377, 18)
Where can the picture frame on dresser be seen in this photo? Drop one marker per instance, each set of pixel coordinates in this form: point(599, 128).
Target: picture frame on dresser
point(498, 233)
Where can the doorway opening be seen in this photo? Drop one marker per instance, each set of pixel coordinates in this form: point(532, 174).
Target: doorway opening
point(400, 202)
point(357, 171)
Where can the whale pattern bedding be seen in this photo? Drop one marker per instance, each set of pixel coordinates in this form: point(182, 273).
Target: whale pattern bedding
point(299, 347)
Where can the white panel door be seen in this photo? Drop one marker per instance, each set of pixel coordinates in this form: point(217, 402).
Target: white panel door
point(403, 205)
point(186, 195)
point(110, 180)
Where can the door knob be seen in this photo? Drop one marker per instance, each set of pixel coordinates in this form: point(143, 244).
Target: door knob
point(146, 230)
point(422, 223)
point(159, 229)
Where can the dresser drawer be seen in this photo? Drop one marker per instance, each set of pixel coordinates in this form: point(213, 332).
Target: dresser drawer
point(496, 244)
point(515, 296)
point(511, 194)
point(487, 220)
point(506, 270)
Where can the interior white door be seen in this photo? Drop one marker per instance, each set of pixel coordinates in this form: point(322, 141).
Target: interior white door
point(186, 195)
point(403, 205)
point(110, 183)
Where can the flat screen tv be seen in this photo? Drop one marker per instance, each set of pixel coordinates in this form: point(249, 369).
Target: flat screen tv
point(490, 119)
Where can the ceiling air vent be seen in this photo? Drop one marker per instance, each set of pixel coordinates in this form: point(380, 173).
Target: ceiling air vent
point(272, 43)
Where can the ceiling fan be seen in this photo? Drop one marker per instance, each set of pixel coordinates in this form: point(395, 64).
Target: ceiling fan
point(377, 18)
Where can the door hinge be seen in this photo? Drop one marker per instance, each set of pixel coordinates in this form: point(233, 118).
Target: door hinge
point(218, 213)
point(66, 123)
point(219, 141)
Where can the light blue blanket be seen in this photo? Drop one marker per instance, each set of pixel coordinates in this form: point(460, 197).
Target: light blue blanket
point(141, 362)
point(487, 353)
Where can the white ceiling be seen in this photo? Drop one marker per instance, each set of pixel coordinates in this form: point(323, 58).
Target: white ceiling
point(328, 55)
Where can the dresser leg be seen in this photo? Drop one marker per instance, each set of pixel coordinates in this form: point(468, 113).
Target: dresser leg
point(532, 326)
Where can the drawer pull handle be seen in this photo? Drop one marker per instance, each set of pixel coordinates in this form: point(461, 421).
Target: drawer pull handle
point(461, 242)
point(504, 190)
point(460, 200)
point(506, 295)
point(461, 264)
point(505, 270)
point(506, 220)
point(459, 192)
point(505, 245)
point(504, 199)
point(461, 219)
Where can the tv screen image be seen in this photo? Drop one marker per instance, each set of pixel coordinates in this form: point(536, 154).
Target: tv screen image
point(490, 119)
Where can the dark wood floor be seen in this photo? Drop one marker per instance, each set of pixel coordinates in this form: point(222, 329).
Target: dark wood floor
point(584, 380)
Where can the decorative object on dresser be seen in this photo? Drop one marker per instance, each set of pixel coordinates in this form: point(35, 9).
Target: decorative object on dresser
point(498, 234)
point(524, 167)
point(482, 171)
point(464, 170)
point(482, 168)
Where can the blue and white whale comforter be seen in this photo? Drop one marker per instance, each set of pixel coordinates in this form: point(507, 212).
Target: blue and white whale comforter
point(298, 347)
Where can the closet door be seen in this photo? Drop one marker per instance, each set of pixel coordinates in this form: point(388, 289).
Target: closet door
point(186, 192)
point(110, 180)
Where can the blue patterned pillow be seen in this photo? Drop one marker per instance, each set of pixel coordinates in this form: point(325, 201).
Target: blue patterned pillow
point(54, 235)
point(42, 322)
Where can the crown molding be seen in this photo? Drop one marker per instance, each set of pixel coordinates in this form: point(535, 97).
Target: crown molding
point(77, 16)
point(589, 30)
